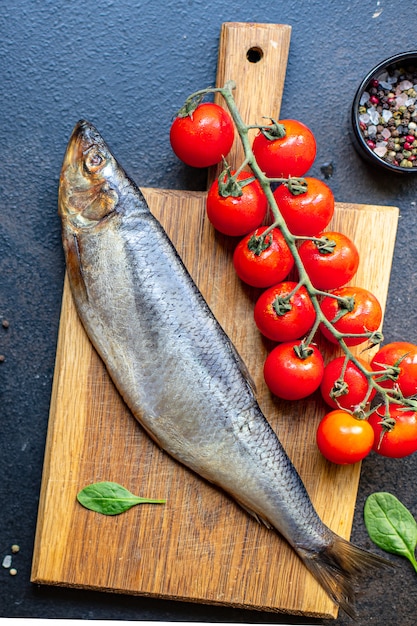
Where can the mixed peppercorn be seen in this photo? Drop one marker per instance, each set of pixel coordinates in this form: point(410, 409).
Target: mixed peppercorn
point(388, 116)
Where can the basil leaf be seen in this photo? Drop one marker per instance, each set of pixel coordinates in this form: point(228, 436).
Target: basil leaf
point(391, 526)
point(110, 498)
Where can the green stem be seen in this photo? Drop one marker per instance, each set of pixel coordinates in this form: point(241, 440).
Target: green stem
point(294, 291)
point(344, 367)
point(241, 167)
point(313, 330)
point(413, 561)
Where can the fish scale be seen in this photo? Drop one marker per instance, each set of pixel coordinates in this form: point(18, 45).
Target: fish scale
point(173, 364)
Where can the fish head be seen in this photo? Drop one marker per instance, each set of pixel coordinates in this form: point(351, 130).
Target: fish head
point(89, 180)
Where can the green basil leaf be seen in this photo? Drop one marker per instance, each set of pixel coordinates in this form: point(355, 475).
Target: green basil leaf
point(390, 525)
point(110, 498)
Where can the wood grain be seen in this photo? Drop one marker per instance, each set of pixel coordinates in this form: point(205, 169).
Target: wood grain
point(260, 84)
point(200, 546)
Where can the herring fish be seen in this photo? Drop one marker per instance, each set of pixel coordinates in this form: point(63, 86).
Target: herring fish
point(173, 364)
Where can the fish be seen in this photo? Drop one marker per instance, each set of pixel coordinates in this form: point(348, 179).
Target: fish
point(174, 365)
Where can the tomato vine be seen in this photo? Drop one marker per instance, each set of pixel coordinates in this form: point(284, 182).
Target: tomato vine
point(388, 395)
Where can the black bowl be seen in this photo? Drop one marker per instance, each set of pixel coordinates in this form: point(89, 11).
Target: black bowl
point(387, 69)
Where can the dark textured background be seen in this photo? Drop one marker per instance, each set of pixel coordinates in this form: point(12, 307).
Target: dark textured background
point(127, 66)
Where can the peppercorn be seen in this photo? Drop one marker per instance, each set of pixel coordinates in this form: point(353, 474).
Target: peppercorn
point(396, 110)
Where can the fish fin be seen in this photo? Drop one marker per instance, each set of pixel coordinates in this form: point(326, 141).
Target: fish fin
point(74, 264)
point(339, 566)
point(243, 368)
point(259, 519)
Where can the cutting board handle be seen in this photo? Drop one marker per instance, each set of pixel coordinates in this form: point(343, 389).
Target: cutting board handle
point(255, 57)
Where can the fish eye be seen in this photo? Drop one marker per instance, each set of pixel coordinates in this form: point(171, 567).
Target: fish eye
point(94, 160)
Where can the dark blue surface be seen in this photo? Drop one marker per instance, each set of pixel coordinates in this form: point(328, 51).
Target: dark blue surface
point(127, 67)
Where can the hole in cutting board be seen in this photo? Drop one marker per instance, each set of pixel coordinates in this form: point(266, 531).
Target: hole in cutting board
point(254, 55)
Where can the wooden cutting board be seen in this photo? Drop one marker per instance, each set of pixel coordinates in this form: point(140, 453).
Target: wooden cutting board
point(200, 546)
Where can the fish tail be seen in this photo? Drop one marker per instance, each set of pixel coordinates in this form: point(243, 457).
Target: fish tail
point(338, 568)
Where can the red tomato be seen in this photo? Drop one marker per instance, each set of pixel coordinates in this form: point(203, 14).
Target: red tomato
point(401, 440)
point(290, 155)
point(345, 391)
point(306, 213)
point(237, 216)
point(290, 376)
point(403, 356)
point(283, 319)
point(344, 439)
point(204, 137)
point(266, 264)
point(330, 265)
point(365, 316)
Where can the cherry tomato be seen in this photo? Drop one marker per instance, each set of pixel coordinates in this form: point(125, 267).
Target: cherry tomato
point(401, 355)
point(402, 439)
point(348, 390)
point(306, 213)
point(283, 319)
point(344, 439)
point(290, 376)
point(330, 265)
point(204, 137)
point(263, 262)
point(236, 216)
point(291, 155)
point(365, 316)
